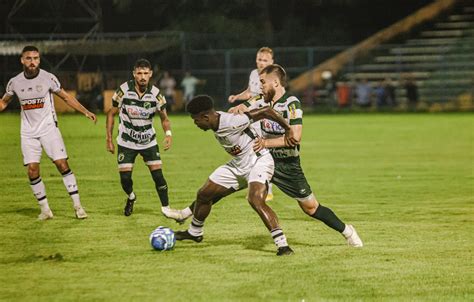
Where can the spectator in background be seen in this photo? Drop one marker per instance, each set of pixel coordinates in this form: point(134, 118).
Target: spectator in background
point(167, 86)
point(363, 93)
point(189, 83)
point(411, 90)
point(380, 94)
point(390, 93)
point(343, 94)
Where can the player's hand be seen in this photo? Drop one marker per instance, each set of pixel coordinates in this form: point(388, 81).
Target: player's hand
point(167, 142)
point(91, 116)
point(110, 146)
point(232, 98)
point(290, 139)
point(258, 144)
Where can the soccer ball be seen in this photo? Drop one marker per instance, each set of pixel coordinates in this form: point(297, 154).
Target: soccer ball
point(162, 238)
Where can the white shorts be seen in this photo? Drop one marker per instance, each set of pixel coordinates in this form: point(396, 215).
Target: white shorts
point(229, 176)
point(52, 143)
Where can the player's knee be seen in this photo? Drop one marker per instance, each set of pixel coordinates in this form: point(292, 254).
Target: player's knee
point(204, 196)
point(62, 166)
point(309, 207)
point(33, 172)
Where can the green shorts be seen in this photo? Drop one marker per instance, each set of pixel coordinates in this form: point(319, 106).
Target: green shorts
point(289, 178)
point(126, 157)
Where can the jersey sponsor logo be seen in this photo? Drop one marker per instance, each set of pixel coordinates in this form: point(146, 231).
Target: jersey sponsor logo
point(138, 113)
point(29, 104)
point(147, 105)
point(234, 150)
point(292, 109)
point(284, 152)
point(272, 127)
point(141, 137)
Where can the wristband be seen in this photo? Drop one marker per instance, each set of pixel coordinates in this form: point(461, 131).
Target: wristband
point(168, 132)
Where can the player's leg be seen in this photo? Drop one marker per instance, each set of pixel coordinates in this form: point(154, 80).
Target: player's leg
point(222, 182)
point(258, 179)
point(202, 209)
point(152, 159)
point(31, 149)
point(54, 147)
point(316, 210)
point(126, 159)
point(289, 178)
point(270, 193)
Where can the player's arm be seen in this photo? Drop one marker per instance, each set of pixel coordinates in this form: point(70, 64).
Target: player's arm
point(281, 141)
point(245, 106)
point(289, 139)
point(74, 103)
point(109, 125)
point(244, 95)
point(166, 125)
point(7, 98)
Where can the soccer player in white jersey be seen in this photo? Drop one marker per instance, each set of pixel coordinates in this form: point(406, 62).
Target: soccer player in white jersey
point(39, 127)
point(263, 59)
point(247, 167)
point(137, 102)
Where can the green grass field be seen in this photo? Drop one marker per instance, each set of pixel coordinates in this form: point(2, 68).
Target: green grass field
point(405, 181)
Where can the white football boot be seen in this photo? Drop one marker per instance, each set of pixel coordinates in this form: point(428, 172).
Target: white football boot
point(45, 215)
point(176, 215)
point(353, 239)
point(80, 212)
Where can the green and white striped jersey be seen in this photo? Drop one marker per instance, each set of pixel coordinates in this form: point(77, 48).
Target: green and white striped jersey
point(290, 108)
point(136, 114)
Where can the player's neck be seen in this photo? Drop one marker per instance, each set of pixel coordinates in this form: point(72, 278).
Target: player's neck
point(140, 90)
point(278, 94)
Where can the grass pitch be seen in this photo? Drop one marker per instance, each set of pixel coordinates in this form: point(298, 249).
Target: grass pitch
point(405, 181)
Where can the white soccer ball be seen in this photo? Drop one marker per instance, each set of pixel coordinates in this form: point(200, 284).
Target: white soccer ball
point(162, 238)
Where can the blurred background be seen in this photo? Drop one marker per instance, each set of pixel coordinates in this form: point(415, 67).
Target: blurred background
point(340, 55)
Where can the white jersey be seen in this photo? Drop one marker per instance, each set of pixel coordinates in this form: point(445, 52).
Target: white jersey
point(236, 135)
point(254, 83)
point(38, 116)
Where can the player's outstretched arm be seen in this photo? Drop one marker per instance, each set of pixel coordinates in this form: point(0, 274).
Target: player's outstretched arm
point(5, 101)
point(244, 95)
point(109, 126)
point(166, 125)
point(74, 103)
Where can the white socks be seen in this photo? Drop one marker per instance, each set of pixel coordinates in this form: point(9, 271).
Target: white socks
point(195, 228)
point(279, 238)
point(70, 183)
point(39, 190)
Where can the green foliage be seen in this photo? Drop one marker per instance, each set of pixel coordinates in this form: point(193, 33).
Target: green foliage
point(405, 182)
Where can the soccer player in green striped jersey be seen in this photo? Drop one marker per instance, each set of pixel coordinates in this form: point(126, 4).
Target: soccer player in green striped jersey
point(137, 102)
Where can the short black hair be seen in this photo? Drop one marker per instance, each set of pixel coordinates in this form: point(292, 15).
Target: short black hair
point(142, 63)
point(278, 70)
point(29, 48)
point(200, 103)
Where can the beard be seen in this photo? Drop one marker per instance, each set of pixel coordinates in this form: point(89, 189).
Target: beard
point(31, 70)
point(142, 86)
point(268, 96)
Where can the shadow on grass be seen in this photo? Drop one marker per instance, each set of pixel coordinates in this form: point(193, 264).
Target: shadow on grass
point(30, 212)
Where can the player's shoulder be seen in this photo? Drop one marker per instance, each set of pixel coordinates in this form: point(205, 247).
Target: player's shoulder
point(254, 73)
point(20, 76)
point(125, 86)
point(155, 91)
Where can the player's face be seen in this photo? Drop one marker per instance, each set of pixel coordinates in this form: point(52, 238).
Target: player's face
point(30, 61)
point(263, 60)
point(142, 76)
point(268, 83)
point(202, 121)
